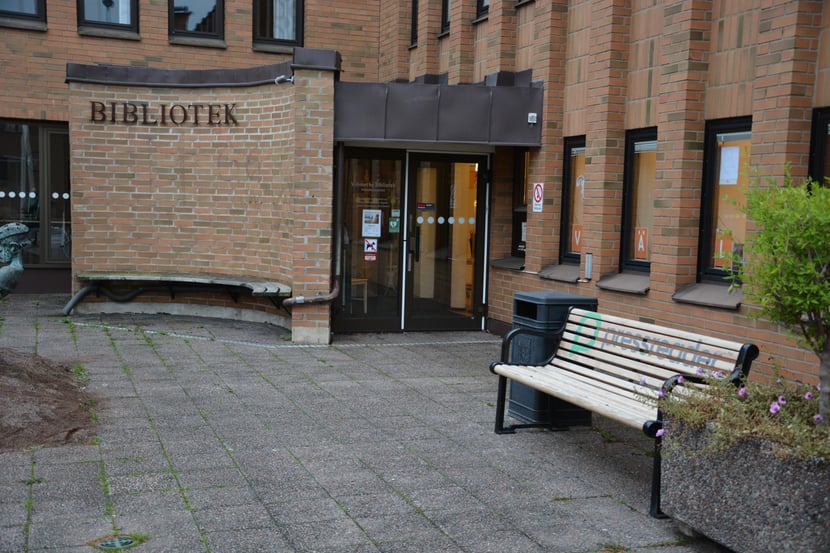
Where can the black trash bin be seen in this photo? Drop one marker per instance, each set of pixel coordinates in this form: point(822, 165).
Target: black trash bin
point(545, 311)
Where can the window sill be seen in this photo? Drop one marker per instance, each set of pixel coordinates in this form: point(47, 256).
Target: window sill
point(630, 283)
point(510, 263)
point(710, 294)
point(272, 48)
point(563, 273)
point(198, 41)
point(25, 24)
point(480, 19)
point(122, 34)
point(521, 3)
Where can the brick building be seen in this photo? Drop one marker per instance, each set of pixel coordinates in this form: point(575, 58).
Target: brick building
point(417, 163)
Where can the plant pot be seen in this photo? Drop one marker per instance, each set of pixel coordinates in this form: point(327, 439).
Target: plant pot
point(750, 497)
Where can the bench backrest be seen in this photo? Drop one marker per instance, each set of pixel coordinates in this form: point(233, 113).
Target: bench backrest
point(647, 354)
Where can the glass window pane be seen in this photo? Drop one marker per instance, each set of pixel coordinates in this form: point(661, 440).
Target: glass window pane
point(729, 222)
point(27, 7)
point(577, 200)
point(108, 11)
point(197, 16)
point(644, 183)
point(19, 178)
point(276, 20)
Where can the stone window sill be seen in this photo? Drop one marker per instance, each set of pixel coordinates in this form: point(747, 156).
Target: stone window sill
point(26, 24)
point(630, 283)
point(710, 294)
point(510, 263)
point(563, 273)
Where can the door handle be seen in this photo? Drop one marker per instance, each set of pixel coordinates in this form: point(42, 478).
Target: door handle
point(417, 244)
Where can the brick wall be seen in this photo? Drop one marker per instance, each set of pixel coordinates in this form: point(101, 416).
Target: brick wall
point(674, 65)
point(245, 193)
point(34, 62)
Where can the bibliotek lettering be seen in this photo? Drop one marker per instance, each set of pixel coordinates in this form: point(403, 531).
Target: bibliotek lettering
point(131, 113)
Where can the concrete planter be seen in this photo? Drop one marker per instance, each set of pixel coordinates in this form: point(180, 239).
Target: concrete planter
point(747, 497)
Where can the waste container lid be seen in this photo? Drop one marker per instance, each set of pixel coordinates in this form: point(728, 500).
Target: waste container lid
point(554, 298)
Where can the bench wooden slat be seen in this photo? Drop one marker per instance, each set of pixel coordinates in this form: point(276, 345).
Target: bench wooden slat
point(582, 316)
point(589, 336)
point(582, 394)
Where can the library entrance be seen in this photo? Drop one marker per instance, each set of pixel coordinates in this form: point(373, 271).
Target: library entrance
point(413, 237)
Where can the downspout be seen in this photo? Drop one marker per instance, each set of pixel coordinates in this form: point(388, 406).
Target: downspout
point(338, 239)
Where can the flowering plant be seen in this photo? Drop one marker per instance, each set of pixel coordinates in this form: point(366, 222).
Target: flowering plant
point(785, 413)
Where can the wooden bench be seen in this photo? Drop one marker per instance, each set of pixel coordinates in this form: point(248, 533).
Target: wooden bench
point(172, 283)
point(611, 366)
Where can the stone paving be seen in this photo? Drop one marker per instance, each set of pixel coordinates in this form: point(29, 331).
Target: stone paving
point(222, 436)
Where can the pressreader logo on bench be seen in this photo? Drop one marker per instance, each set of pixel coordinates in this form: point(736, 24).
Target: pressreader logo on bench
point(587, 335)
point(138, 113)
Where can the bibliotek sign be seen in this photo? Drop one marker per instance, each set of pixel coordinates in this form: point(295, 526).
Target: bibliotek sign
point(141, 113)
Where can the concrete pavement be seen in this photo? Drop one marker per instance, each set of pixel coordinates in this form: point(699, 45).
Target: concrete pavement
point(220, 436)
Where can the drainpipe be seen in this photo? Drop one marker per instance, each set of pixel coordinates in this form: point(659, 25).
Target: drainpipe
point(338, 239)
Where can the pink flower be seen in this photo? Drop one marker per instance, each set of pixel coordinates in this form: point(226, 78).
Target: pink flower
point(680, 380)
point(818, 418)
point(660, 432)
point(643, 381)
point(808, 396)
point(661, 393)
point(774, 407)
point(719, 374)
point(699, 371)
point(782, 400)
point(742, 391)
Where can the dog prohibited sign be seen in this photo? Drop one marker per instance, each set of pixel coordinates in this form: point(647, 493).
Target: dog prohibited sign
point(538, 196)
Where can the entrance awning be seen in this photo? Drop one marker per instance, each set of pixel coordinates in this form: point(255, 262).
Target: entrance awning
point(439, 113)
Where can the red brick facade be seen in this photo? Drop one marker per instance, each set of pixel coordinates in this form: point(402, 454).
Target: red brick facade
point(607, 66)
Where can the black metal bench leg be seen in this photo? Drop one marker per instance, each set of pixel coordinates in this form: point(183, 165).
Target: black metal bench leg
point(654, 510)
point(500, 401)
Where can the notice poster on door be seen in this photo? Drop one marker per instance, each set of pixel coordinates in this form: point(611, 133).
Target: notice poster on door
point(372, 223)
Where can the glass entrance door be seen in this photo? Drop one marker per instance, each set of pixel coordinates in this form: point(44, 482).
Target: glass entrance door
point(443, 264)
point(410, 250)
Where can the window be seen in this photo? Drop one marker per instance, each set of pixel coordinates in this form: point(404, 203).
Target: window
point(520, 167)
point(34, 188)
point(108, 13)
point(413, 29)
point(445, 16)
point(725, 179)
point(24, 9)
point(820, 146)
point(278, 21)
point(639, 186)
point(197, 18)
point(573, 197)
point(482, 8)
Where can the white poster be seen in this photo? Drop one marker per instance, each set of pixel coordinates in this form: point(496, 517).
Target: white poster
point(729, 163)
point(372, 223)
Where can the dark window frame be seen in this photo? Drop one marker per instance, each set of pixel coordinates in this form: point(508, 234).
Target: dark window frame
point(445, 16)
point(482, 8)
point(131, 26)
point(711, 167)
point(571, 144)
point(220, 23)
point(413, 27)
point(632, 138)
point(299, 13)
point(39, 15)
point(520, 187)
point(819, 139)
